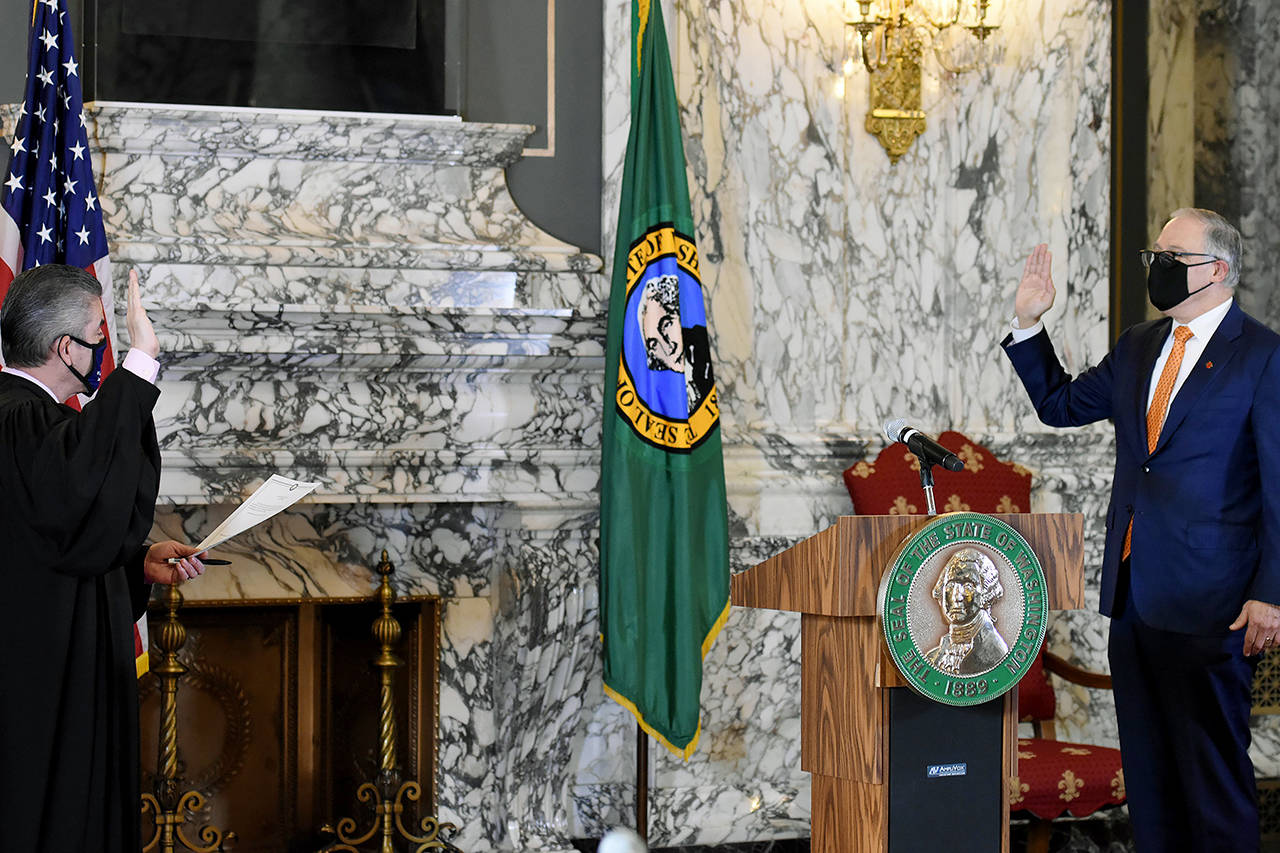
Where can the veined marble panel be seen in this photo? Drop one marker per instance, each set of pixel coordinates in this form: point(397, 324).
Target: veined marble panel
point(315, 550)
point(357, 298)
point(1171, 119)
point(1237, 100)
point(398, 289)
point(845, 291)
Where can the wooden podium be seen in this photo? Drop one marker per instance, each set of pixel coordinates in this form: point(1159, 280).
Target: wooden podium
point(847, 676)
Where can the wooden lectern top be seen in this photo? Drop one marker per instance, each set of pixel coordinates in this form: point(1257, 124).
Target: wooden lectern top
point(837, 572)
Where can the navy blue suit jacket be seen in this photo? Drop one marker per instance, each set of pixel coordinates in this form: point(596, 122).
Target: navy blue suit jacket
point(1205, 510)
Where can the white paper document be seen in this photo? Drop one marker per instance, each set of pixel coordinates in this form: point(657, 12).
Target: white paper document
point(276, 494)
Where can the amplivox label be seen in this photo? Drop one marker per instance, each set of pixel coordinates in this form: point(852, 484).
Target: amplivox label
point(937, 771)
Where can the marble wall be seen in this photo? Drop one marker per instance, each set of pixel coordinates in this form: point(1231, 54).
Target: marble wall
point(1237, 166)
point(358, 300)
point(1214, 105)
point(846, 291)
point(1171, 123)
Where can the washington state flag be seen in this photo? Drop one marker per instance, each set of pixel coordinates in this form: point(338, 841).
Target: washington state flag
point(664, 550)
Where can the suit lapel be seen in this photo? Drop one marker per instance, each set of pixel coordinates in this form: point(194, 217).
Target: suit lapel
point(1219, 352)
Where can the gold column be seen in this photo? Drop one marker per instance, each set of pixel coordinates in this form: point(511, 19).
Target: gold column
point(169, 808)
point(388, 794)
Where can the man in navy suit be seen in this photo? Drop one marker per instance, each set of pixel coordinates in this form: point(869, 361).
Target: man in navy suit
point(1191, 570)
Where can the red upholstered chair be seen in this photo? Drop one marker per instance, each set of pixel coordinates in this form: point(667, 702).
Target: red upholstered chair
point(1054, 777)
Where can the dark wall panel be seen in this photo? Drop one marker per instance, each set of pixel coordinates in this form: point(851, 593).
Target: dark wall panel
point(506, 60)
point(507, 71)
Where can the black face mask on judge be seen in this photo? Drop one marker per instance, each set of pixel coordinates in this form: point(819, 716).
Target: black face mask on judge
point(93, 378)
point(1167, 277)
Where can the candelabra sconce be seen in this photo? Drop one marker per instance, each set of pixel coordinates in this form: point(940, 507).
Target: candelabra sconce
point(170, 810)
point(387, 795)
point(891, 36)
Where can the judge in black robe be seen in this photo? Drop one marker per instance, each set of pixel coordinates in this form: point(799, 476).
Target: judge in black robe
point(79, 492)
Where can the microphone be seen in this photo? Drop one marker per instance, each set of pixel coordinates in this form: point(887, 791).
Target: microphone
point(929, 451)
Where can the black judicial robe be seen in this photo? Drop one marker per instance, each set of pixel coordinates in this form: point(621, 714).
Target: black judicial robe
point(79, 492)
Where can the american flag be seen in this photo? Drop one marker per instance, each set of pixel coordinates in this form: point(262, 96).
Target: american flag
point(49, 210)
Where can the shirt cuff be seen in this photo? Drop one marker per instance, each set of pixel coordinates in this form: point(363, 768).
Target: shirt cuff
point(1020, 335)
point(141, 365)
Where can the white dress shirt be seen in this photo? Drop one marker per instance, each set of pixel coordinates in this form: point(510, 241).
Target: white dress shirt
point(136, 362)
point(1202, 329)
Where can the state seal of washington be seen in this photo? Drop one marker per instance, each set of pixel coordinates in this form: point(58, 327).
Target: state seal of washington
point(666, 389)
point(962, 607)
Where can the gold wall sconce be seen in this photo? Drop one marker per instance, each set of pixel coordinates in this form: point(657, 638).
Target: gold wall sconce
point(892, 36)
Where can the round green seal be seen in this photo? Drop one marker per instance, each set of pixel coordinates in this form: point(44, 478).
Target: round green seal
point(962, 606)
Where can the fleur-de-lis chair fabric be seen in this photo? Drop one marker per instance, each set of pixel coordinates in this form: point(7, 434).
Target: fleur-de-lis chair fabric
point(1054, 777)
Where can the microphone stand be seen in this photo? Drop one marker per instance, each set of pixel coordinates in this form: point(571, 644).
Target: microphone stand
point(926, 480)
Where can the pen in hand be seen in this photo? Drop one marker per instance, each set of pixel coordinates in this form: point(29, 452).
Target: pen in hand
point(173, 561)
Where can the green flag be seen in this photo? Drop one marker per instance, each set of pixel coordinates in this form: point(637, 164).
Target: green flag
point(664, 539)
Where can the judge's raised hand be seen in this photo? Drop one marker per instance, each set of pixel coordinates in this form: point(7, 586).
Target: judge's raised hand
point(141, 333)
point(156, 567)
point(1035, 291)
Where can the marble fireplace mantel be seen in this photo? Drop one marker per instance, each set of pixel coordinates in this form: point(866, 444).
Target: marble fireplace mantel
point(356, 299)
point(323, 282)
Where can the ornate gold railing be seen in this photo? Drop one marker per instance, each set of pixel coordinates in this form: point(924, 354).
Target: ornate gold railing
point(388, 794)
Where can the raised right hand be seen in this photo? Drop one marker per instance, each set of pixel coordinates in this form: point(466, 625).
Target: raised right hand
point(1035, 291)
point(141, 333)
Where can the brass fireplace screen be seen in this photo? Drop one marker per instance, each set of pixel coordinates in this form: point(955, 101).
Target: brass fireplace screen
point(279, 716)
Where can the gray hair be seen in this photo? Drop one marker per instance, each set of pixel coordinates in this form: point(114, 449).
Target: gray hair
point(1221, 238)
point(43, 304)
point(992, 589)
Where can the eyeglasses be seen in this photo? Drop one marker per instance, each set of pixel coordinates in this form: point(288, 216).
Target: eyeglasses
point(1168, 259)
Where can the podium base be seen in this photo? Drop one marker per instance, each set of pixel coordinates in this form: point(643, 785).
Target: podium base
point(946, 778)
point(945, 785)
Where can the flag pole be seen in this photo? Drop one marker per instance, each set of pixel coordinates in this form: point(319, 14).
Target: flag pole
point(642, 784)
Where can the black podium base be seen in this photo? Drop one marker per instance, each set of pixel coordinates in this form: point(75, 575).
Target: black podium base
point(946, 779)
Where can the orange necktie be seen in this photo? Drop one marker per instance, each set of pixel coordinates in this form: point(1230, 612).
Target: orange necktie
point(1160, 406)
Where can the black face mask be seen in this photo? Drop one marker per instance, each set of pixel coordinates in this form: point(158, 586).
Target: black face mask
point(93, 378)
point(1167, 281)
